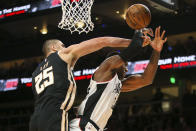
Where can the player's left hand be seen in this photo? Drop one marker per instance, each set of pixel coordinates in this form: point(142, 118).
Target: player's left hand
point(147, 31)
point(147, 39)
point(157, 43)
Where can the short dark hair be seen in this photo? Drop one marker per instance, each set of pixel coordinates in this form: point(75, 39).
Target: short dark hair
point(46, 45)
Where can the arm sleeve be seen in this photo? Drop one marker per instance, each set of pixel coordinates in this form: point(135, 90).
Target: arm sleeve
point(134, 47)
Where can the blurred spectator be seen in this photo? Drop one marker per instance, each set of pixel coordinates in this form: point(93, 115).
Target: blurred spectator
point(178, 49)
point(158, 96)
point(25, 69)
point(190, 45)
point(188, 99)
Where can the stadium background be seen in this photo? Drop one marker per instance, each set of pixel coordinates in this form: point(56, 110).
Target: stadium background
point(168, 104)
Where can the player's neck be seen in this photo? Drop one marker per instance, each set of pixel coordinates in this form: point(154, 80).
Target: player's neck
point(50, 53)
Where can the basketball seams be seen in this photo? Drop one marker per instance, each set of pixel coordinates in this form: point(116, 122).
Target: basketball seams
point(138, 16)
point(147, 14)
point(131, 20)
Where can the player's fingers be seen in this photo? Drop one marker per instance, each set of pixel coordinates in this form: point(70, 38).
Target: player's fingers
point(147, 40)
point(162, 35)
point(145, 33)
point(165, 39)
point(159, 31)
point(151, 32)
point(156, 32)
point(146, 43)
point(146, 37)
point(143, 37)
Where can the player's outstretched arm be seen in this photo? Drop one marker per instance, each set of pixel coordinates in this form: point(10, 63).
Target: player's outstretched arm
point(74, 52)
point(137, 81)
point(95, 44)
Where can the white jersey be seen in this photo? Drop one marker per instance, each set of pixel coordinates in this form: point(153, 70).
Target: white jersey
point(100, 101)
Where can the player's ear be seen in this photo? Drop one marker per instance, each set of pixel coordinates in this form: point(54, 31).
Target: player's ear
point(53, 47)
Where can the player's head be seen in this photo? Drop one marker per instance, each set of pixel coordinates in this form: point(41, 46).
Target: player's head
point(51, 46)
point(121, 71)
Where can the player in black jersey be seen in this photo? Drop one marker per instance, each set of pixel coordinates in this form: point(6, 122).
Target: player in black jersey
point(108, 81)
point(53, 82)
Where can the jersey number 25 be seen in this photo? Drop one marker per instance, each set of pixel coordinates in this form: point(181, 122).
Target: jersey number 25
point(46, 73)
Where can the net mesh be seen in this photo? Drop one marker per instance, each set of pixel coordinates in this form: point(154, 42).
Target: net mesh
point(76, 15)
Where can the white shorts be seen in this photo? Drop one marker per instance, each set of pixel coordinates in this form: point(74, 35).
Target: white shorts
point(74, 125)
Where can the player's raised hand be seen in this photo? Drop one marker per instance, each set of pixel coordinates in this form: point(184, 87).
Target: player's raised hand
point(159, 40)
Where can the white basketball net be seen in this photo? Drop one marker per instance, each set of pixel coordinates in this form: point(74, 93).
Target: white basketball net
point(76, 15)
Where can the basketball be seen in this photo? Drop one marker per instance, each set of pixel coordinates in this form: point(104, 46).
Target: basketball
point(138, 16)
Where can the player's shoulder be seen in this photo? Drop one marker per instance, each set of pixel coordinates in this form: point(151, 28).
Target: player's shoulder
point(68, 55)
point(69, 49)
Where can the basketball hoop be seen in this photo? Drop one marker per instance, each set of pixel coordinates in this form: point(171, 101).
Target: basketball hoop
point(76, 15)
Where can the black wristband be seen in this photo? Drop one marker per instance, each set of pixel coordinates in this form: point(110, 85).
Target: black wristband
point(134, 47)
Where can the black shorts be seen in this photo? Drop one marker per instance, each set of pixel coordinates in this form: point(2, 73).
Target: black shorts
point(49, 121)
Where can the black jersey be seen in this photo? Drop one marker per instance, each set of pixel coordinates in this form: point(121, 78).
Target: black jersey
point(53, 82)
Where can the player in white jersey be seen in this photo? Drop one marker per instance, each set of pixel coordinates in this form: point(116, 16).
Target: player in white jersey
point(107, 83)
